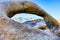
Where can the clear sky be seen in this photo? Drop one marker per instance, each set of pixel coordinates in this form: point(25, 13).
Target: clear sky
point(50, 6)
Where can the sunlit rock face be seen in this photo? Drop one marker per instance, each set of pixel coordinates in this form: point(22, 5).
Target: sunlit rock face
point(15, 31)
point(58, 20)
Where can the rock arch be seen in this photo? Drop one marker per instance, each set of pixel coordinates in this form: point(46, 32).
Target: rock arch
point(8, 9)
point(12, 8)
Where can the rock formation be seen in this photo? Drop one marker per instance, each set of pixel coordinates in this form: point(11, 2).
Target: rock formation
point(12, 30)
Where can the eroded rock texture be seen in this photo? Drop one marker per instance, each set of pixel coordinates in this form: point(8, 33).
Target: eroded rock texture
point(12, 30)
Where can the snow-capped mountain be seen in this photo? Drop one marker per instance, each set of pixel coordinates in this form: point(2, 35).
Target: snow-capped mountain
point(36, 22)
point(29, 20)
point(25, 17)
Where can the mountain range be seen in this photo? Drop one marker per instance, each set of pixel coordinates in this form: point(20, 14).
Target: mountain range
point(30, 22)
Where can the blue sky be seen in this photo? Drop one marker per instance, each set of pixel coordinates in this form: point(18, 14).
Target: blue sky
point(50, 6)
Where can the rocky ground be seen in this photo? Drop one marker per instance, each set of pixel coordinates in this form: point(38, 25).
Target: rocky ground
point(12, 30)
point(48, 32)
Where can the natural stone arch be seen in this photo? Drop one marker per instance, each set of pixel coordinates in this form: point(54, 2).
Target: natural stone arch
point(8, 9)
point(12, 8)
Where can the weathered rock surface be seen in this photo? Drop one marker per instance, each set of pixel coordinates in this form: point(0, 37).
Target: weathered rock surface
point(11, 30)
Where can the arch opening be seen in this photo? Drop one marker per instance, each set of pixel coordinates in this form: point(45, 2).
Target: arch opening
point(30, 8)
point(30, 20)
